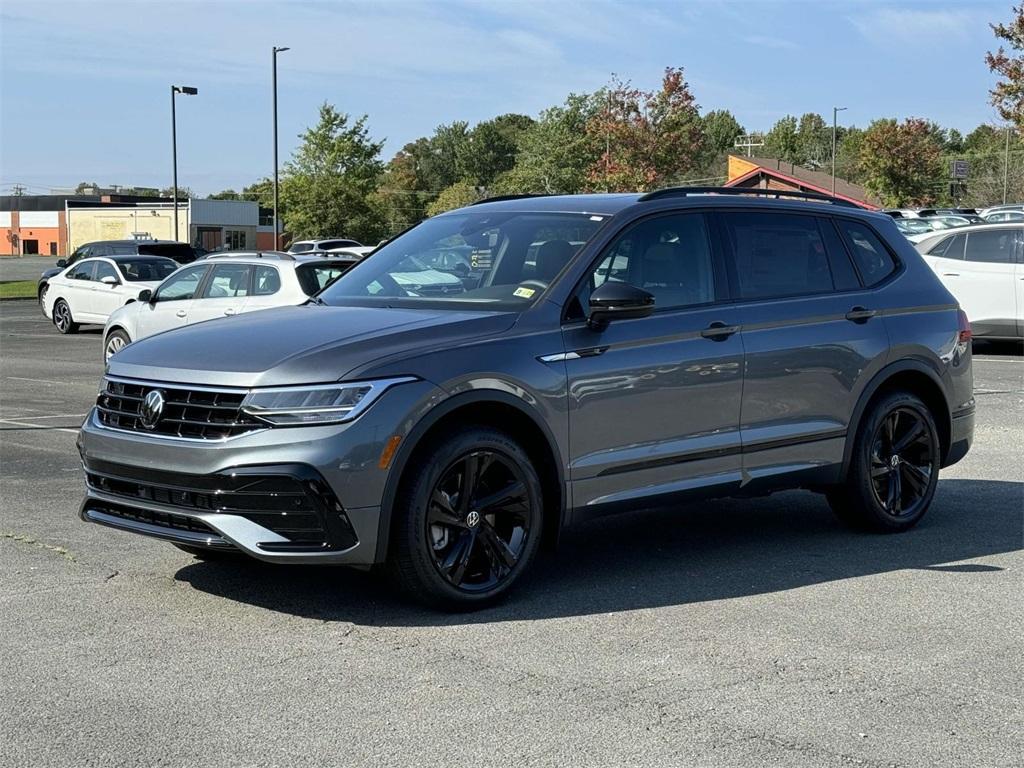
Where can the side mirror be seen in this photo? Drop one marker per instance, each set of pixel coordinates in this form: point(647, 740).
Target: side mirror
point(109, 280)
point(618, 301)
point(61, 263)
point(146, 295)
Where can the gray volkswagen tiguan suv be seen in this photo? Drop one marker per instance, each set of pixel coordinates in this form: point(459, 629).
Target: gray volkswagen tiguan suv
point(502, 371)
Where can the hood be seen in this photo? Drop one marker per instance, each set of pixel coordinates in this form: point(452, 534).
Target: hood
point(308, 344)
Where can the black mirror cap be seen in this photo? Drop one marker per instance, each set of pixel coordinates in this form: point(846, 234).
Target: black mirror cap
point(62, 263)
point(146, 295)
point(618, 301)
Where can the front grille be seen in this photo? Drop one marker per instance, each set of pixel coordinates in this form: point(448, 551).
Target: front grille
point(197, 414)
point(167, 520)
point(293, 501)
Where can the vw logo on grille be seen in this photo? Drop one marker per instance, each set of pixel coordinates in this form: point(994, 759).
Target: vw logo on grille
point(152, 408)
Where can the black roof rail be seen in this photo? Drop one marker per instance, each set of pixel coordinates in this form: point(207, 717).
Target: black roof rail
point(499, 198)
point(659, 194)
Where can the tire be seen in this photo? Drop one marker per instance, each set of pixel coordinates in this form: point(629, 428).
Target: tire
point(62, 319)
point(894, 467)
point(209, 553)
point(42, 298)
point(458, 553)
point(115, 341)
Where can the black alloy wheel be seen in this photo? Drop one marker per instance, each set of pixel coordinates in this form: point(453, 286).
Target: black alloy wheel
point(468, 519)
point(479, 520)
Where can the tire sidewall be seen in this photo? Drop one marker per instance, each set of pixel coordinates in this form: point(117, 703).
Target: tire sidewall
point(411, 555)
point(118, 333)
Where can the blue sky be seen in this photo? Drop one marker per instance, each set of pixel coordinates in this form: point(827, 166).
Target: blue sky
point(84, 86)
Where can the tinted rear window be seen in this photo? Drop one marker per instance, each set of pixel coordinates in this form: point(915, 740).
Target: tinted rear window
point(146, 269)
point(950, 248)
point(995, 247)
point(180, 252)
point(315, 277)
point(873, 260)
point(778, 255)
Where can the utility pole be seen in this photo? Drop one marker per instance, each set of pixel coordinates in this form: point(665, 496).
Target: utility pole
point(277, 235)
point(749, 142)
point(188, 91)
point(835, 126)
point(1006, 165)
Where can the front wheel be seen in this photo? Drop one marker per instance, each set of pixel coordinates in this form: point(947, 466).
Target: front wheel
point(894, 467)
point(62, 317)
point(116, 341)
point(468, 520)
point(42, 297)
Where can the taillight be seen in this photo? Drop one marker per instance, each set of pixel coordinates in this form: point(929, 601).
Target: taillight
point(964, 326)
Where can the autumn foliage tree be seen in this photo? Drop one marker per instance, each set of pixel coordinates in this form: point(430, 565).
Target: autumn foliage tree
point(902, 162)
point(649, 138)
point(1008, 94)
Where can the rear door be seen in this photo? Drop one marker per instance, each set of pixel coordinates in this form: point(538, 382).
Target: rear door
point(810, 337)
point(224, 294)
point(654, 403)
point(988, 281)
point(172, 301)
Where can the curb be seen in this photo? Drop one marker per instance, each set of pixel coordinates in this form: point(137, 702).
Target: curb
point(19, 298)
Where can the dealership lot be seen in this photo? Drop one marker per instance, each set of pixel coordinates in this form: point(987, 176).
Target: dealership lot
point(736, 632)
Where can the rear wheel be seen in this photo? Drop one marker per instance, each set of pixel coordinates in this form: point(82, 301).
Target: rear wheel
point(116, 341)
point(894, 467)
point(42, 297)
point(62, 317)
point(468, 520)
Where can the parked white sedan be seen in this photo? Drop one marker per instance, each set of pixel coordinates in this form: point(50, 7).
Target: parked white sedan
point(983, 267)
point(90, 290)
point(221, 285)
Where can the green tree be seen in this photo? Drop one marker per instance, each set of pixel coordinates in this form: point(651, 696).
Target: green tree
point(328, 183)
point(814, 141)
point(226, 194)
point(902, 162)
point(84, 185)
point(490, 148)
point(720, 129)
point(1008, 94)
point(458, 195)
point(985, 149)
point(651, 138)
point(782, 141)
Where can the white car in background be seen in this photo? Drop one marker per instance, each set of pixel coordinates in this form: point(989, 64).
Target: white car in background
point(90, 290)
point(983, 267)
point(324, 245)
point(221, 285)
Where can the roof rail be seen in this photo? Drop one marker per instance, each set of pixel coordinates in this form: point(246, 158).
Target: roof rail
point(658, 194)
point(499, 198)
point(250, 255)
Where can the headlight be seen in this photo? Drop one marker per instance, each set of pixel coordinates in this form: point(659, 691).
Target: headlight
point(320, 404)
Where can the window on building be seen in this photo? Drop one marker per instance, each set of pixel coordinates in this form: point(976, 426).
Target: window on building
point(234, 239)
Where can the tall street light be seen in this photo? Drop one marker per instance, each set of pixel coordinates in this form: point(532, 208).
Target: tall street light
point(835, 115)
point(188, 91)
point(277, 236)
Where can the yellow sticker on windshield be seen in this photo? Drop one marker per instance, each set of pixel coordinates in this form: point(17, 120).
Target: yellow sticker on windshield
point(523, 293)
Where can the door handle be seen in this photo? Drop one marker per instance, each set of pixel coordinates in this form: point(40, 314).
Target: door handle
point(860, 315)
point(951, 274)
point(181, 313)
point(719, 331)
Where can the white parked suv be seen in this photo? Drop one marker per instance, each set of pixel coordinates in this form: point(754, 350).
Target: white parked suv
point(983, 266)
point(221, 285)
point(321, 246)
point(89, 290)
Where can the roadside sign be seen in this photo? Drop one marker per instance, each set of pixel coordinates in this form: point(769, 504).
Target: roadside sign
point(959, 169)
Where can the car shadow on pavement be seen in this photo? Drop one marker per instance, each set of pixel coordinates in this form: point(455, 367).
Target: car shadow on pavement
point(710, 551)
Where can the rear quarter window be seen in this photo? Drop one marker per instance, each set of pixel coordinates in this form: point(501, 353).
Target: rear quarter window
point(873, 260)
point(313, 278)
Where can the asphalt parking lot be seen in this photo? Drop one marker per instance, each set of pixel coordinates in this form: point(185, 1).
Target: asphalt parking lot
point(735, 633)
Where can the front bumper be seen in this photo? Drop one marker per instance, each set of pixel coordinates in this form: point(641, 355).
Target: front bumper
point(308, 494)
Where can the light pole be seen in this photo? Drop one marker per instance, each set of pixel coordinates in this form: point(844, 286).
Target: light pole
point(188, 91)
point(1006, 165)
point(277, 243)
point(835, 116)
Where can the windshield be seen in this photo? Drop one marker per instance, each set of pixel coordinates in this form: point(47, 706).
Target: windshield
point(471, 260)
point(146, 269)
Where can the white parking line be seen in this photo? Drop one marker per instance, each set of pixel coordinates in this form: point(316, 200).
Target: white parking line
point(35, 381)
point(39, 426)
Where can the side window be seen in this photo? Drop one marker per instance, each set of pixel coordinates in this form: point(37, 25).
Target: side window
point(182, 285)
point(950, 248)
point(994, 247)
point(873, 259)
point(228, 281)
point(268, 282)
point(315, 277)
point(844, 275)
point(778, 255)
point(667, 256)
point(105, 269)
point(83, 271)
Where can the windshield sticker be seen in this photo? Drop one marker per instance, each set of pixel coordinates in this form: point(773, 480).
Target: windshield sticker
point(524, 293)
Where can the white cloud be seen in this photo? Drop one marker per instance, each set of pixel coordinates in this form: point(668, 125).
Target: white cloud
point(925, 27)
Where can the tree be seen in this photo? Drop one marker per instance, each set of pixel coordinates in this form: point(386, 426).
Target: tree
point(985, 150)
point(555, 153)
point(814, 141)
point(720, 129)
point(326, 186)
point(227, 194)
point(458, 195)
point(782, 141)
point(404, 193)
point(1008, 94)
point(85, 185)
point(490, 148)
point(651, 138)
point(902, 162)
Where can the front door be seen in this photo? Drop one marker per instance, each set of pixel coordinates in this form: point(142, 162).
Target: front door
point(654, 403)
point(106, 296)
point(811, 336)
point(988, 280)
point(172, 301)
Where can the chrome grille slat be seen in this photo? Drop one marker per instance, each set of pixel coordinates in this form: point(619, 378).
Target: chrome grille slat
point(200, 413)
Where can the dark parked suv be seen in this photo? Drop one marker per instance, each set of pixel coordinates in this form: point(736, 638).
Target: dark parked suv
point(601, 353)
